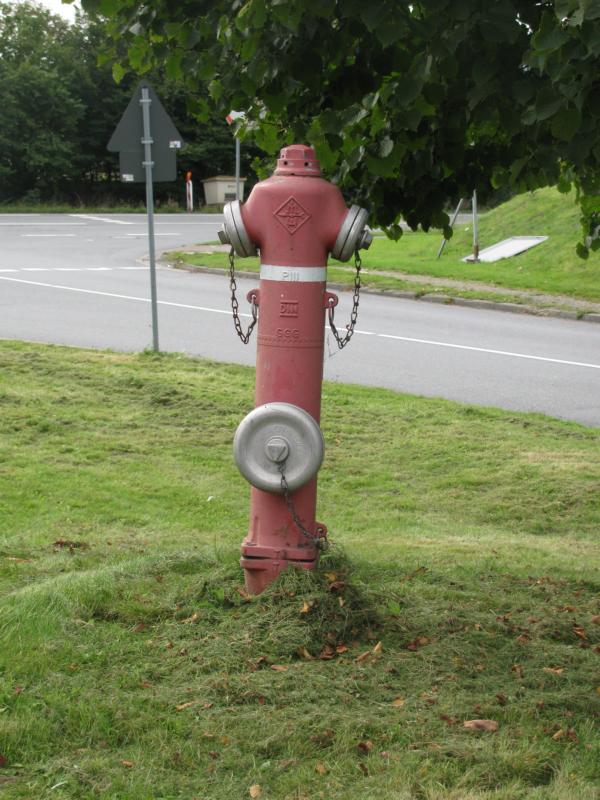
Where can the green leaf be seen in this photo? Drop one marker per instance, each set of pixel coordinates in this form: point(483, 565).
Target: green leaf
point(118, 72)
point(566, 123)
point(547, 104)
point(385, 147)
point(550, 35)
point(173, 65)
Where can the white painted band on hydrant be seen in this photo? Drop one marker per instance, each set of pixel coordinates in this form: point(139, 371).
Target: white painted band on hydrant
point(272, 272)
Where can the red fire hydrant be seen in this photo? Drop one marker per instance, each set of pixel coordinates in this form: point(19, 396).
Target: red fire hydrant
point(295, 219)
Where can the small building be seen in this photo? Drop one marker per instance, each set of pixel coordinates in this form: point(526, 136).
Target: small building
point(221, 189)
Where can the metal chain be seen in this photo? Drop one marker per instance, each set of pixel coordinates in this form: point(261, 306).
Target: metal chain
point(319, 538)
point(245, 337)
point(342, 341)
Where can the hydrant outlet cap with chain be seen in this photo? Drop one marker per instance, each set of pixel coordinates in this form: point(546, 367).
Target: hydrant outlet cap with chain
point(298, 159)
point(276, 435)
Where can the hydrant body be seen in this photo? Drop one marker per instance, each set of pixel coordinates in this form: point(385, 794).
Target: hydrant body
point(295, 219)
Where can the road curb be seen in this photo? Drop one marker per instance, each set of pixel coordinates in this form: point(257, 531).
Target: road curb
point(440, 299)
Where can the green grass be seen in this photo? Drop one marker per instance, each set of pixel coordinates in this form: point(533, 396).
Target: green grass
point(550, 268)
point(132, 665)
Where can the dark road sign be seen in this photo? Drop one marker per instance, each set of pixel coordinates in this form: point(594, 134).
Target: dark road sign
point(128, 135)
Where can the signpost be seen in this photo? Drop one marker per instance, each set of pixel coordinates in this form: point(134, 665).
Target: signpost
point(147, 142)
point(231, 117)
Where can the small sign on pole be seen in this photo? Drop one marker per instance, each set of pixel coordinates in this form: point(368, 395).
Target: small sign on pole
point(147, 142)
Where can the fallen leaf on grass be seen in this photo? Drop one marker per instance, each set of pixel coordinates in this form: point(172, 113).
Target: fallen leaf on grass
point(341, 648)
point(278, 668)
point(255, 790)
point(321, 768)
point(337, 586)
point(128, 764)
point(191, 619)
point(304, 654)
point(362, 657)
point(323, 738)
point(501, 698)
point(448, 720)
point(331, 576)
point(481, 724)
point(70, 544)
point(596, 619)
point(378, 648)
point(579, 631)
point(398, 702)
point(518, 670)
point(145, 685)
point(554, 670)
point(327, 653)
point(183, 706)
point(420, 641)
point(365, 747)
point(306, 607)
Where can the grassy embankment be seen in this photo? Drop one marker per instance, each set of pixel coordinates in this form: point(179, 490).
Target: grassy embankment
point(133, 666)
point(550, 268)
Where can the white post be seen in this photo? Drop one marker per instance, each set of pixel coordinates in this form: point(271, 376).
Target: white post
point(475, 228)
point(189, 192)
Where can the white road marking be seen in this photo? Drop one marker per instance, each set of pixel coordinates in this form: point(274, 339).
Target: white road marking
point(97, 269)
point(39, 224)
point(482, 350)
point(118, 296)
point(380, 335)
point(46, 235)
point(100, 219)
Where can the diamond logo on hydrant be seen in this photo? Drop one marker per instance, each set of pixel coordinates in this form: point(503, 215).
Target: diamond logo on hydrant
point(291, 215)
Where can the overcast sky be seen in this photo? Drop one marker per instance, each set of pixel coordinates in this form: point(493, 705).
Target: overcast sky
point(66, 11)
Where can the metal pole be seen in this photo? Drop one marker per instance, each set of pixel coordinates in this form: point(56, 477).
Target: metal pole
point(475, 228)
point(237, 169)
point(148, 164)
point(452, 221)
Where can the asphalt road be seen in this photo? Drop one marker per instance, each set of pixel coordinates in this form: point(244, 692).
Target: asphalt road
point(80, 280)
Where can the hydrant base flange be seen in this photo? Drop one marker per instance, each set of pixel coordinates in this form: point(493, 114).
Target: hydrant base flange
point(261, 572)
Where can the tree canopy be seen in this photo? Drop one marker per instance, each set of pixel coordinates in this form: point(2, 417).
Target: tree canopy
point(410, 105)
point(60, 106)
